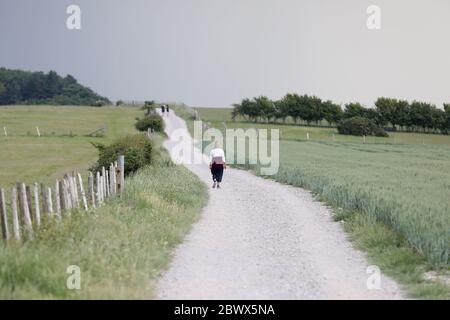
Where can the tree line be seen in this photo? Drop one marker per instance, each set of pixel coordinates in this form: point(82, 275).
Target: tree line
point(25, 87)
point(387, 113)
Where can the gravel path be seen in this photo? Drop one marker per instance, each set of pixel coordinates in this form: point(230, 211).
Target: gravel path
point(258, 239)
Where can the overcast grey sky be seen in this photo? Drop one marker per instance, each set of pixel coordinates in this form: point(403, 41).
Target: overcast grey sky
point(215, 52)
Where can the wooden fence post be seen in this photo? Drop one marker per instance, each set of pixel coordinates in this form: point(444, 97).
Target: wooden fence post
point(15, 216)
point(57, 199)
point(121, 174)
point(72, 191)
point(37, 209)
point(29, 202)
point(62, 196)
point(23, 203)
point(4, 216)
point(44, 200)
point(49, 201)
point(83, 195)
point(67, 192)
point(114, 178)
point(91, 189)
point(105, 186)
point(102, 188)
point(103, 174)
point(111, 179)
point(98, 189)
point(75, 189)
point(107, 183)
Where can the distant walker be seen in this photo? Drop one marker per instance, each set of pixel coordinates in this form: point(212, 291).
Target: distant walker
point(217, 165)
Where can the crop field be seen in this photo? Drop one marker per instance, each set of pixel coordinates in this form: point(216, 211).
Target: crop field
point(400, 181)
point(64, 144)
point(406, 187)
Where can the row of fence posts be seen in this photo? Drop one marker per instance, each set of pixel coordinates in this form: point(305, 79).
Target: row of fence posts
point(5, 132)
point(30, 204)
point(333, 137)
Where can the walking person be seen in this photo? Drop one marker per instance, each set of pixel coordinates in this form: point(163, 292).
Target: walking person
point(167, 109)
point(217, 165)
point(163, 109)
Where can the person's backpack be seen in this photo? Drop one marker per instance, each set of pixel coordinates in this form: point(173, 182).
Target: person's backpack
point(217, 160)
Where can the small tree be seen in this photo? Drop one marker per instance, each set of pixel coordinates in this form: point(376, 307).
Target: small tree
point(153, 122)
point(446, 128)
point(386, 110)
point(250, 109)
point(237, 111)
point(391, 111)
point(291, 105)
point(438, 119)
point(420, 115)
point(281, 110)
point(266, 107)
point(149, 107)
point(354, 109)
point(2, 92)
point(332, 112)
point(308, 108)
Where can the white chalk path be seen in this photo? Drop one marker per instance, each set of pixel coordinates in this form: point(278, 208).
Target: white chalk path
point(258, 239)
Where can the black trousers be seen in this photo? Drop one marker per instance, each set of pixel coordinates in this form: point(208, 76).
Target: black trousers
point(217, 172)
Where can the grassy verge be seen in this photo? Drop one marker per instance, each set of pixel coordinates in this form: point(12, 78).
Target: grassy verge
point(121, 248)
point(390, 252)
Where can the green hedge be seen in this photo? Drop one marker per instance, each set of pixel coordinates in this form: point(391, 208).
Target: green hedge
point(359, 126)
point(153, 122)
point(137, 150)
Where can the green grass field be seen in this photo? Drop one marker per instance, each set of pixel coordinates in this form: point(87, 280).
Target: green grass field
point(63, 145)
point(397, 182)
point(121, 248)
